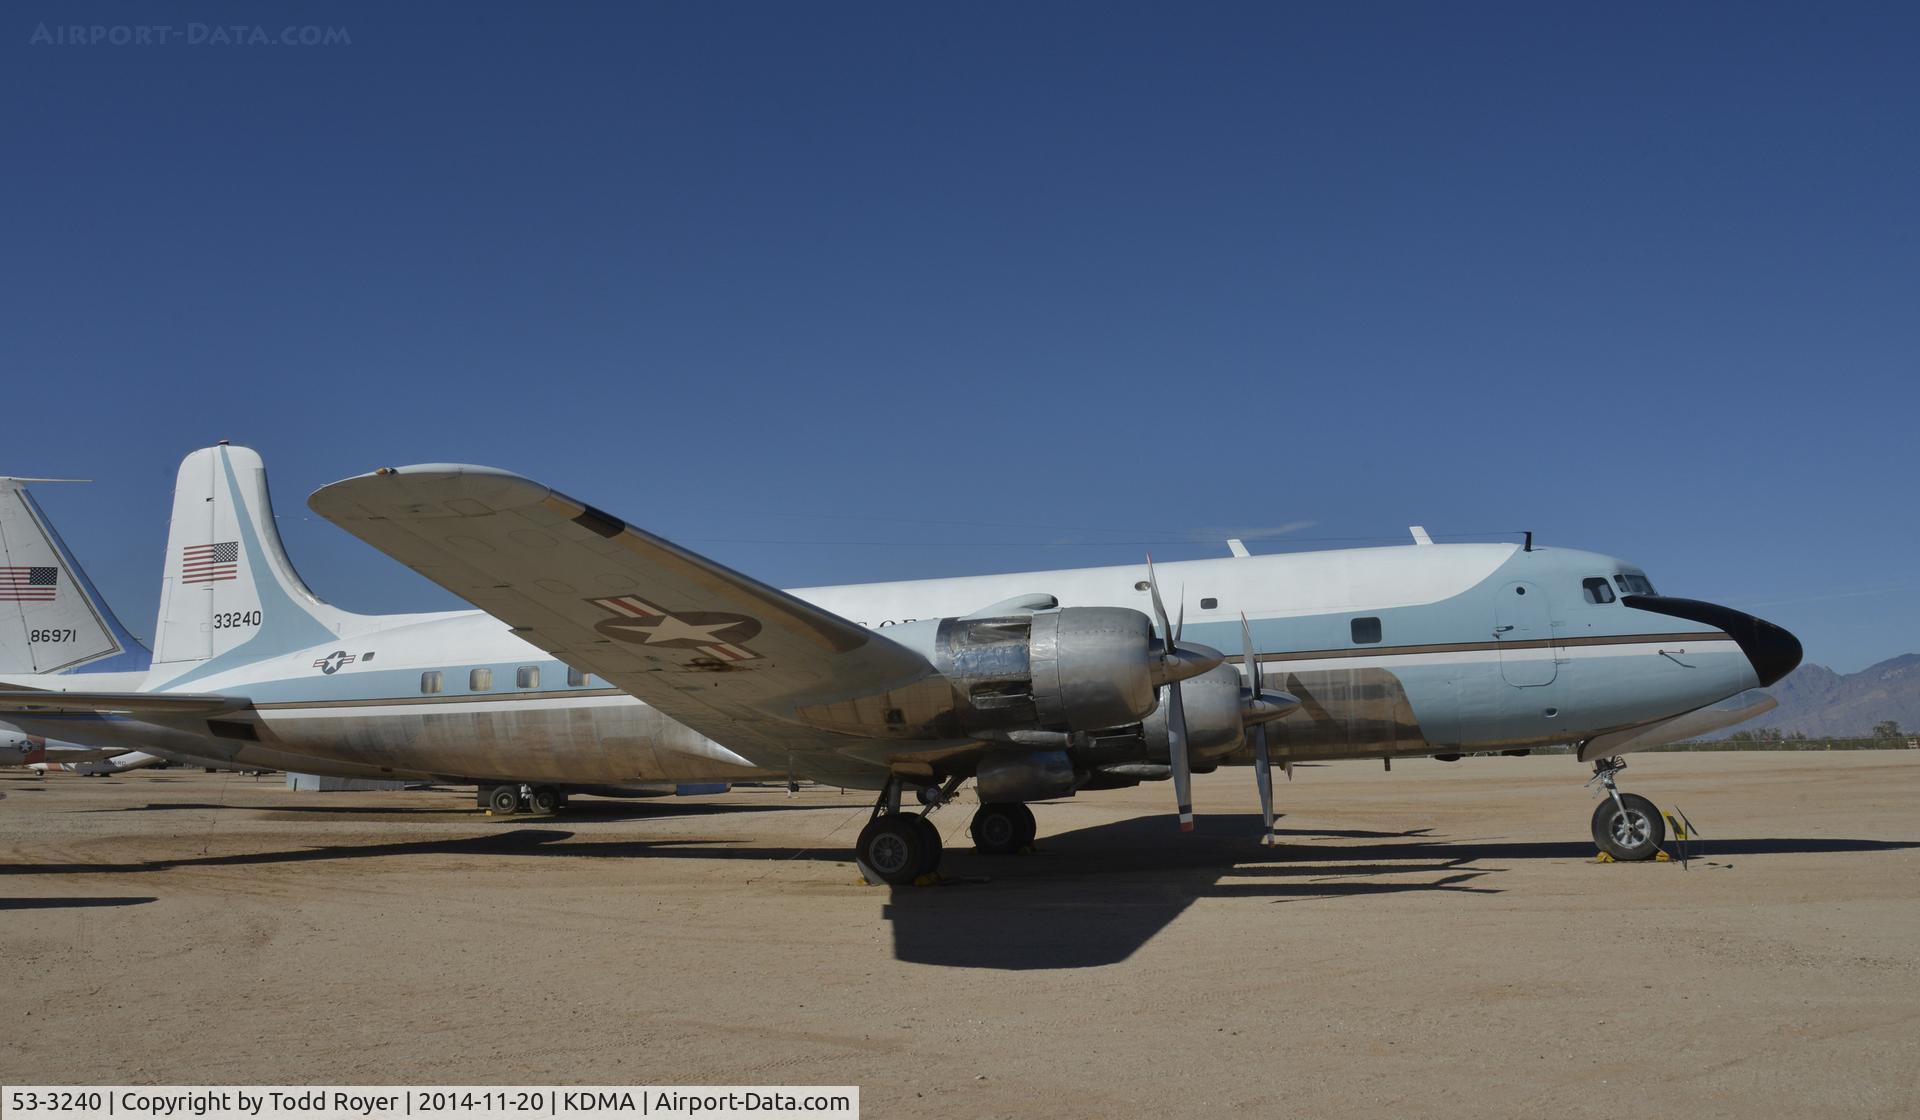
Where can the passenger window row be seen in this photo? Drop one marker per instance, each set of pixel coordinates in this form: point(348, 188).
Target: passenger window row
point(481, 680)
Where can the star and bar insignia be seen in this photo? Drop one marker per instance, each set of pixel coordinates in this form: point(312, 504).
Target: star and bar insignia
point(713, 632)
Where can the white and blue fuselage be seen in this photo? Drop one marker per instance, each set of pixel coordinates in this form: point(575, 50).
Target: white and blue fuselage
point(1422, 649)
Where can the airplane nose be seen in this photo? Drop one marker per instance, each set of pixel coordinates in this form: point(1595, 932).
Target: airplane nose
point(1773, 650)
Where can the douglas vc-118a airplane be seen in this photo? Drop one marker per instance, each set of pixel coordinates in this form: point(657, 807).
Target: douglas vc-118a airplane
point(1035, 685)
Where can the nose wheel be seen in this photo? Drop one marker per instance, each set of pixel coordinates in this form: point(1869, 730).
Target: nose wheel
point(1626, 826)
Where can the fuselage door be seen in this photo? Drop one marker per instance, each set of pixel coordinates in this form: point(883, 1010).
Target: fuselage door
point(1524, 629)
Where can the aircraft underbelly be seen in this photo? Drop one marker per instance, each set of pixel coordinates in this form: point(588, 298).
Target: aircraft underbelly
point(613, 744)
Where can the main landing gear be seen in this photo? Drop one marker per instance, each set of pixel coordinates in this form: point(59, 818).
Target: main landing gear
point(1002, 828)
point(1626, 826)
point(506, 800)
point(900, 848)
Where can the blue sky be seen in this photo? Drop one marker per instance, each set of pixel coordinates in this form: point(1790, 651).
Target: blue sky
point(841, 292)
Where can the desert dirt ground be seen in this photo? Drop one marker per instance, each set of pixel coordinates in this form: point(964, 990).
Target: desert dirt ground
point(1434, 941)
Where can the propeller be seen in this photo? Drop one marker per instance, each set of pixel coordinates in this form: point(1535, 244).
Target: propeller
point(1261, 707)
point(1177, 663)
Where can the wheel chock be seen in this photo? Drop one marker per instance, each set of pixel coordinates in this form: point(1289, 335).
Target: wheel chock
point(1659, 856)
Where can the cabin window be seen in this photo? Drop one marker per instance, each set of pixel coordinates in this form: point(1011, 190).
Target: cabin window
point(480, 680)
point(1597, 590)
point(1366, 631)
point(1209, 604)
point(527, 676)
point(432, 682)
point(576, 678)
point(1633, 583)
point(366, 657)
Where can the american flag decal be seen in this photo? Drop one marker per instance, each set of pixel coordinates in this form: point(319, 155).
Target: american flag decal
point(206, 563)
point(712, 632)
point(28, 585)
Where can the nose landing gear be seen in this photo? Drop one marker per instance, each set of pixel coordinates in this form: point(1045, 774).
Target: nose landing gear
point(1626, 826)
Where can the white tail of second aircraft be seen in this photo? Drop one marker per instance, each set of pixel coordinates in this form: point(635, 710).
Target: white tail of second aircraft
point(229, 593)
point(51, 618)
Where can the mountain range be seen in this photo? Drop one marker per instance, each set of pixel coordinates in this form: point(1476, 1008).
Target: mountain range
point(1821, 703)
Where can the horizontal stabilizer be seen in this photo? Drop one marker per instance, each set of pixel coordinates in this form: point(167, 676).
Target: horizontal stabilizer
point(38, 702)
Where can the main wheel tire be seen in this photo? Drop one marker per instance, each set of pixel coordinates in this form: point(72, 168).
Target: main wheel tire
point(1001, 828)
point(1634, 834)
point(930, 860)
point(545, 800)
point(504, 801)
point(893, 847)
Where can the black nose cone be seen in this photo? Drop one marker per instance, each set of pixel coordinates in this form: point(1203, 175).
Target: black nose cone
point(1774, 651)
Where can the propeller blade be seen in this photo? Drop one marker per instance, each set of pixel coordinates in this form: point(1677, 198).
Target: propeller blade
point(1177, 755)
point(1253, 666)
point(1180, 620)
point(1262, 760)
point(1263, 773)
point(1159, 608)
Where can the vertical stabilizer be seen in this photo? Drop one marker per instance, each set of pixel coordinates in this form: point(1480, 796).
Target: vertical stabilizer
point(229, 595)
point(52, 619)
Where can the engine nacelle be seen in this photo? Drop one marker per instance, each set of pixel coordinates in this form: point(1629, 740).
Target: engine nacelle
point(1215, 727)
point(1075, 669)
point(1024, 776)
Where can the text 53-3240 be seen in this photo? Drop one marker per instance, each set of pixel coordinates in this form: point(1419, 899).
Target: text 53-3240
point(79, 1100)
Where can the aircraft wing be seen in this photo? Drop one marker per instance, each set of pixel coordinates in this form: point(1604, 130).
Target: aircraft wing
point(39, 702)
point(1688, 725)
point(716, 650)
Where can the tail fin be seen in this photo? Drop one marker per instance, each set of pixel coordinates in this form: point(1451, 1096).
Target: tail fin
point(230, 595)
point(52, 619)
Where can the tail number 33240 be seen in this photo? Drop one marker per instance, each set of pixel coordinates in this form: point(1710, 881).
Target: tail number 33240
point(231, 620)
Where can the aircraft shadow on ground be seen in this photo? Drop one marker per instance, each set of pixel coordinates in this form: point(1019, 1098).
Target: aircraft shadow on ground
point(1094, 896)
point(1089, 897)
point(70, 903)
point(576, 812)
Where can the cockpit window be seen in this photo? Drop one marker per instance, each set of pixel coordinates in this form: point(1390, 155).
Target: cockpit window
point(1633, 583)
point(1597, 590)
